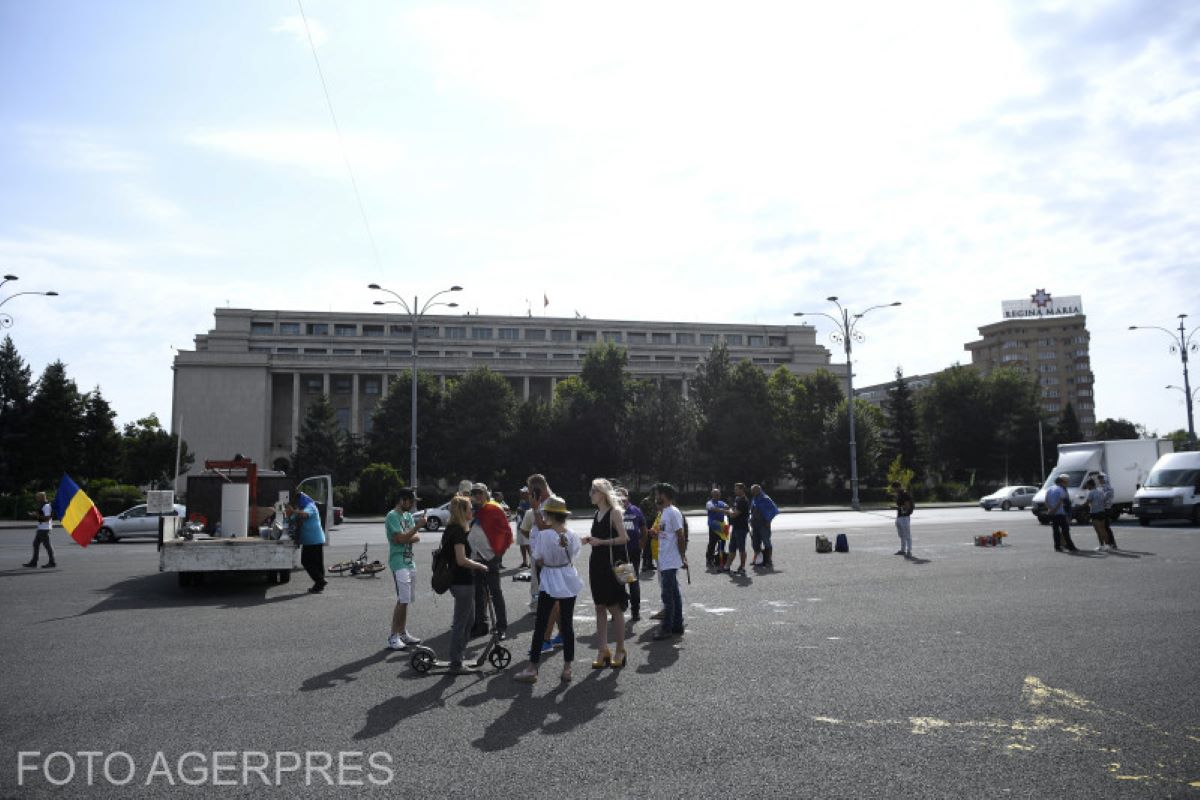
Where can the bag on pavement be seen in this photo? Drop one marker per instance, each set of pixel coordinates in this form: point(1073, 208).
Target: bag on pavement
point(823, 545)
point(843, 544)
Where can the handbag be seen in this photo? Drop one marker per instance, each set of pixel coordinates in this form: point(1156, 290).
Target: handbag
point(624, 571)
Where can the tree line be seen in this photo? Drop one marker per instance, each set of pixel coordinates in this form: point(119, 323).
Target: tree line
point(738, 424)
point(48, 428)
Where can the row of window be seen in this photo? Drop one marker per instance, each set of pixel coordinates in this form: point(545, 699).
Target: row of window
point(341, 351)
point(485, 333)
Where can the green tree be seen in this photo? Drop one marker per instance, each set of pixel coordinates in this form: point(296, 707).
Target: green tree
point(816, 452)
point(868, 440)
point(391, 426)
point(662, 432)
point(1111, 429)
point(148, 453)
point(1068, 429)
point(16, 396)
point(531, 443)
point(377, 485)
point(100, 442)
point(739, 437)
point(317, 445)
point(55, 427)
point(900, 439)
point(484, 410)
point(1011, 414)
point(957, 437)
point(1180, 440)
point(352, 455)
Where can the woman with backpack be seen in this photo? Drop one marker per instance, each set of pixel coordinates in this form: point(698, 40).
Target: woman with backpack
point(462, 586)
point(553, 552)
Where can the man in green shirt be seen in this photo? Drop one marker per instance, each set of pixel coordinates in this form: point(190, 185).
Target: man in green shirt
point(401, 535)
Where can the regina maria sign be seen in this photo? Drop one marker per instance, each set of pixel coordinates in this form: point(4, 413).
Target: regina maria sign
point(1042, 304)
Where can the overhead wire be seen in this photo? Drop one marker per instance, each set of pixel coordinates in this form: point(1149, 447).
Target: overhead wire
point(362, 209)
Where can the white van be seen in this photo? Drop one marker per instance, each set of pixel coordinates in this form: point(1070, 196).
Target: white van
point(1127, 462)
point(1172, 491)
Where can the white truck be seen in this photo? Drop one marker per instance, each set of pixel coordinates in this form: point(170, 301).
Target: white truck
point(1172, 491)
point(1126, 462)
point(194, 555)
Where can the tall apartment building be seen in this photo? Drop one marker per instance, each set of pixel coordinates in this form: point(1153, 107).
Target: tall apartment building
point(1047, 338)
point(247, 385)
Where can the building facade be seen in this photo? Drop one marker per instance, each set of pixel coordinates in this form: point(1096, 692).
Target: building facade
point(247, 385)
point(1048, 339)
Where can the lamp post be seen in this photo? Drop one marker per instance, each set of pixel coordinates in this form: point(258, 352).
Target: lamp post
point(846, 334)
point(1182, 341)
point(415, 312)
point(6, 320)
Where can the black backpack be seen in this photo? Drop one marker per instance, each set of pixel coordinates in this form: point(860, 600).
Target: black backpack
point(443, 573)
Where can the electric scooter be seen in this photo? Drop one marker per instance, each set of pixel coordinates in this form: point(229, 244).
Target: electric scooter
point(425, 661)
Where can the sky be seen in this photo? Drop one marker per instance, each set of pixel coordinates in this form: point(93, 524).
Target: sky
point(696, 161)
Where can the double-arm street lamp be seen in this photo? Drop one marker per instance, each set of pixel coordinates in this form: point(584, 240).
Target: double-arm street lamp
point(846, 334)
point(1181, 340)
point(6, 320)
point(415, 312)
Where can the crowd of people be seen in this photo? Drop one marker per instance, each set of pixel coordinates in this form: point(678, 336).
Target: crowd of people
point(623, 540)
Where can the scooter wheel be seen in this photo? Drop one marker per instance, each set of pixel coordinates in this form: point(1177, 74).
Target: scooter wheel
point(500, 657)
point(422, 661)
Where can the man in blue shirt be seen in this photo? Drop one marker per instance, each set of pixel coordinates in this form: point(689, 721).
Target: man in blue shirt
point(1058, 507)
point(307, 517)
point(714, 554)
point(762, 511)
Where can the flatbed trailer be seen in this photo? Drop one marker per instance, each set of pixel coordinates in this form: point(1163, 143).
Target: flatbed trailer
point(193, 559)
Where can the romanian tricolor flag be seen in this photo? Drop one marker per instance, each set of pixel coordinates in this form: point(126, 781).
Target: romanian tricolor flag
point(77, 513)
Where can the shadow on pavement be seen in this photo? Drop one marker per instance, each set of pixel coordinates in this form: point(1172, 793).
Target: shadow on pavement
point(162, 590)
point(572, 704)
point(347, 672)
point(915, 560)
point(390, 713)
point(657, 655)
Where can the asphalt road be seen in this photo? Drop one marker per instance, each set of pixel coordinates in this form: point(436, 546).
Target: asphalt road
point(966, 672)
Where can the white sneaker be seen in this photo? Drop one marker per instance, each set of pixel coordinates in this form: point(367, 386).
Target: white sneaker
point(408, 638)
point(395, 643)
point(1101, 548)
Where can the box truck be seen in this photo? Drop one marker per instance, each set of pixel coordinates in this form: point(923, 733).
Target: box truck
point(1171, 491)
point(1126, 462)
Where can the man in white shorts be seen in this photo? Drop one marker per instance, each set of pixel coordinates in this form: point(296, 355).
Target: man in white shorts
point(401, 535)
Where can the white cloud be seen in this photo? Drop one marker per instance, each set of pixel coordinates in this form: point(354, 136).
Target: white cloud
point(80, 149)
point(315, 153)
point(295, 26)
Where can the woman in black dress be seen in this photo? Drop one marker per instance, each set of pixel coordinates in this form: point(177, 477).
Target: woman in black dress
point(608, 540)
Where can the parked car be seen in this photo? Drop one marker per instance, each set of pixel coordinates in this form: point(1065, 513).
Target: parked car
point(1008, 497)
point(132, 522)
point(436, 518)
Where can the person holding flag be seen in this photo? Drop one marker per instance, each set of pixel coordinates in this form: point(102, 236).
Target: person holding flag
point(42, 536)
point(75, 511)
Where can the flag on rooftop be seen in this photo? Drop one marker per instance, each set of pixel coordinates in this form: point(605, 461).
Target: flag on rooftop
point(76, 511)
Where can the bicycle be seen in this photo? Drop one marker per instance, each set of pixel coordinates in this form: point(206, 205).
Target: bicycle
point(358, 566)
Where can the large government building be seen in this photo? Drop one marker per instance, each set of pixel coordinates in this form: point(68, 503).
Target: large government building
point(1046, 337)
point(247, 385)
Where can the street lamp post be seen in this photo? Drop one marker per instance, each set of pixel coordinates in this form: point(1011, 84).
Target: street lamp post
point(415, 312)
point(1184, 343)
point(6, 320)
point(845, 335)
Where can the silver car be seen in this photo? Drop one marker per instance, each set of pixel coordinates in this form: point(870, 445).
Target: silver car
point(132, 522)
point(436, 518)
point(1009, 497)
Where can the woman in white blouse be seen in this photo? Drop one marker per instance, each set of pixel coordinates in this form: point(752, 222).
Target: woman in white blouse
point(553, 553)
